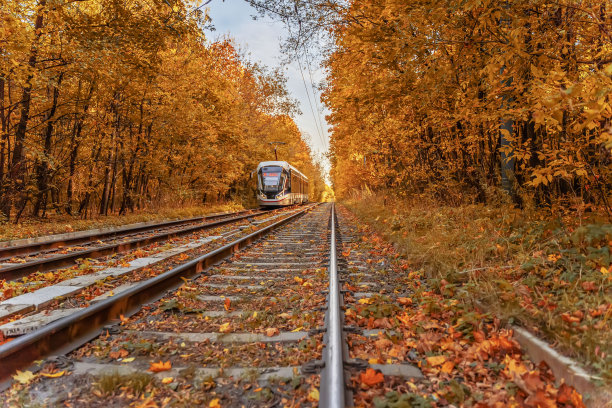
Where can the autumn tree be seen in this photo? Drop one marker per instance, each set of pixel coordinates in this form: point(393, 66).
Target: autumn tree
point(107, 106)
point(433, 97)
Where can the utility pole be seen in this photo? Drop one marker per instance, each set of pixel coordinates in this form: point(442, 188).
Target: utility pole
point(275, 144)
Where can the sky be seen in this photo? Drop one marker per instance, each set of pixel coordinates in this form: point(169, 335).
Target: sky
point(260, 40)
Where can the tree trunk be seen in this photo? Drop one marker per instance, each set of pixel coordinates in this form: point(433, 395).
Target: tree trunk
point(42, 170)
point(17, 173)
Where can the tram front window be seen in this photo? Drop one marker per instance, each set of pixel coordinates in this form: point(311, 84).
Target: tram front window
point(271, 178)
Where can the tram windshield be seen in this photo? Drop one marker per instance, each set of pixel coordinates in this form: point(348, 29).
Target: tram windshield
point(271, 178)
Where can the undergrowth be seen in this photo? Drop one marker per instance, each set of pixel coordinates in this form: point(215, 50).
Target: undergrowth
point(56, 224)
point(551, 274)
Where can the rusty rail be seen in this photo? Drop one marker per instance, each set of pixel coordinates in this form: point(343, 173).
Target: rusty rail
point(65, 335)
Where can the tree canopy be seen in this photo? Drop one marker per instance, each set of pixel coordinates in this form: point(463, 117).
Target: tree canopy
point(109, 105)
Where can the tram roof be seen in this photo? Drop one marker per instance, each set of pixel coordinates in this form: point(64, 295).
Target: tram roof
point(282, 164)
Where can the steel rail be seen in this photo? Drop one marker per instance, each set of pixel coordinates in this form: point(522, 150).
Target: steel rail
point(47, 264)
point(9, 251)
point(332, 376)
point(68, 333)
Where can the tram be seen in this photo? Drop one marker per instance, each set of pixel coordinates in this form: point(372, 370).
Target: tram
point(279, 183)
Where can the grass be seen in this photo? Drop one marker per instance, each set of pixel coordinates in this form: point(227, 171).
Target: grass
point(56, 224)
point(110, 383)
point(551, 274)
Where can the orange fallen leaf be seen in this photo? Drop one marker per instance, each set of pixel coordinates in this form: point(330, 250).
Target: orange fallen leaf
point(478, 336)
point(227, 304)
point(118, 354)
point(447, 367)
point(569, 318)
point(404, 301)
point(589, 286)
point(272, 331)
point(167, 380)
point(371, 377)
point(161, 366)
point(568, 395)
point(513, 368)
point(436, 360)
point(54, 375)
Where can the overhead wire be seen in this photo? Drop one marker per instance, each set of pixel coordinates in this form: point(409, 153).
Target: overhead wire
point(310, 103)
point(326, 144)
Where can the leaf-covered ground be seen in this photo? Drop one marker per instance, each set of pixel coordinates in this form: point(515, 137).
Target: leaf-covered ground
point(551, 275)
point(467, 357)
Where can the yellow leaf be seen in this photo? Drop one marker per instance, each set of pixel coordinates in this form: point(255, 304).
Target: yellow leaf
point(436, 360)
point(54, 375)
point(167, 380)
point(225, 328)
point(23, 377)
point(298, 279)
point(604, 270)
point(214, 403)
point(366, 301)
point(313, 395)
point(127, 360)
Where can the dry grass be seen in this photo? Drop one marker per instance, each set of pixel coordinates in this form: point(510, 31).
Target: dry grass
point(57, 224)
point(549, 274)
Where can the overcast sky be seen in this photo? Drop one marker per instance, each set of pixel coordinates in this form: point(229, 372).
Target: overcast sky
point(260, 40)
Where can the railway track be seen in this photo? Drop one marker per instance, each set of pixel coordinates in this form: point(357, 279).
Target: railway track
point(17, 261)
point(302, 312)
point(29, 247)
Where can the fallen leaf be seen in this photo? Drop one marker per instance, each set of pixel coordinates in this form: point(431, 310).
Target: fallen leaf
point(371, 377)
point(436, 360)
point(118, 354)
point(23, 377)
point(127, 360)
point(167, 380)
point(227, 304)
point(161, 366)
point(313, 395)
point(272, 331)
point(54, 375)
point(513, 368)
point(447, 367)
point(225, 328)
point(569, 318)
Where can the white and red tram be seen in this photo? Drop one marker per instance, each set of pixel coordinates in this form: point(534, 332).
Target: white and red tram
point(279, 183)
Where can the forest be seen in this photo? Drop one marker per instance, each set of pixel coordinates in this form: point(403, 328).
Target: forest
point(455, 99)
point(110, 106)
